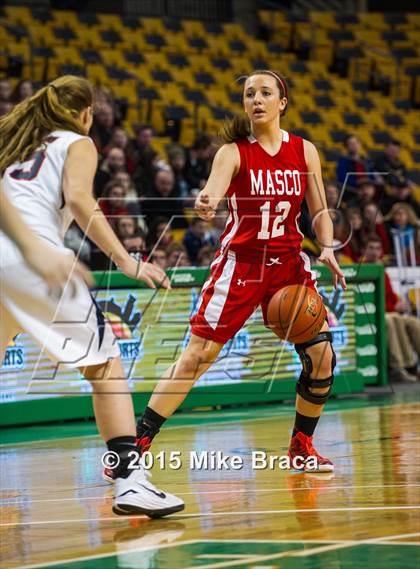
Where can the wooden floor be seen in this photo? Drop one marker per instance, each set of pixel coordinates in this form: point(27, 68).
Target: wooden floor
point(56, 510)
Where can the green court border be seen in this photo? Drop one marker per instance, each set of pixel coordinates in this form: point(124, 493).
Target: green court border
point(345, 554)
point(25, 434)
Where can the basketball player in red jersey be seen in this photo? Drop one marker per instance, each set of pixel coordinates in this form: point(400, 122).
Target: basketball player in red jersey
point(265, 172)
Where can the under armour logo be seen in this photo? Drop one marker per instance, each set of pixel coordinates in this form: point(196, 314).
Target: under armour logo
point(241, 282)
point(274, 261)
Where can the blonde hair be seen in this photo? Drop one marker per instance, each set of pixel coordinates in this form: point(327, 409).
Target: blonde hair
point(57, 106)
point(411, 214)
point(239, 126)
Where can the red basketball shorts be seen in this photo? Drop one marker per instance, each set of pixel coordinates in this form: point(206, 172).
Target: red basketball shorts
point(236, 288)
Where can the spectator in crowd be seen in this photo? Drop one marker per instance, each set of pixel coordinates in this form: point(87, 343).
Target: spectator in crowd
point(390, 162)
point(23, 90)
point(341, 257)
point(136, 244)
point(353, 167)
point(200, 161)
point(336, 212)
point(403, 331)
point(177, 162)
point(177, 256)
point(113, 202)
point(113, 163)
point(366, 193)
point(125, 227)
point(5, 107)
point(103, 125)
point(141, 146)
point(332, 196)
point(6, 90)
point(124, 178)
point(205, 256)
point(399, 193)
point(375, 225)
point(160, 233)
point(144, 138)
point(132, 199)
point(158, 257)
point(337, 209)
point(164, 200)
point(403, 226)
point(119, 139)
point(146, 167)
point(355, 236)
point(195, 238)
point(218, 224)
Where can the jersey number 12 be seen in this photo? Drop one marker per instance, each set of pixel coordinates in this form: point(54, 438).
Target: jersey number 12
point(277, 230)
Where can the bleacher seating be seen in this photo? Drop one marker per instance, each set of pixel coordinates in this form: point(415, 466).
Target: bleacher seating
point(189, 69)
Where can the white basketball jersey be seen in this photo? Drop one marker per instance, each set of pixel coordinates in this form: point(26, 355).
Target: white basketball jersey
point(35, 187)
point(70, 329)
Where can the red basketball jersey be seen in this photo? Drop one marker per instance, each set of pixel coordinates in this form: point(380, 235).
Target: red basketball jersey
point(265, 200)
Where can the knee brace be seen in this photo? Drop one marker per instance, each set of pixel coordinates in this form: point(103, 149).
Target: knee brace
point(305, 383)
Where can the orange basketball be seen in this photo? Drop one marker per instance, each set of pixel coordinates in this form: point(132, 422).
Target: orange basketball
point(296, 313)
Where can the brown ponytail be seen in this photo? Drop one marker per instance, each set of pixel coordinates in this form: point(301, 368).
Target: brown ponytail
point(240, 126)
point(54, 107)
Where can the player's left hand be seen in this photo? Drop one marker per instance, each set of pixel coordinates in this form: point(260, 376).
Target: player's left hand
point(327, 257)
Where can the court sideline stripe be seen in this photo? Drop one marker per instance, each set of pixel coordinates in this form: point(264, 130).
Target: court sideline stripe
point(216, 514)
point(13, 501)
point(400, 536)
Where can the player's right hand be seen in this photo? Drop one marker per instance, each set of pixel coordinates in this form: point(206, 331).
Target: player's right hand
point(327, 257)
point(203, 208)
point(151, 274)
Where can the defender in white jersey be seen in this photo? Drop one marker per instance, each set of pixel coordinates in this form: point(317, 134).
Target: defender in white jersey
point(71, 331)
point(52, 265)
point(48, 163)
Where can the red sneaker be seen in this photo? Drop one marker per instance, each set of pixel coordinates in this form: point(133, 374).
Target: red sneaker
point(108, 475)
point(143, 444)
point(303, 456)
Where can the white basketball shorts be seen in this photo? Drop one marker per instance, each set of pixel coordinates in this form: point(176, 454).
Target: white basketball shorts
point(70, 330)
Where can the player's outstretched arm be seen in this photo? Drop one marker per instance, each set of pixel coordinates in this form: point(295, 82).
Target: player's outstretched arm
point(78, 174)
point(55, 267)
point(225, 166)
point(318, 209)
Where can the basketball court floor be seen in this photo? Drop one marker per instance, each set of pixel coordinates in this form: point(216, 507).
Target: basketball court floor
point(56, 509)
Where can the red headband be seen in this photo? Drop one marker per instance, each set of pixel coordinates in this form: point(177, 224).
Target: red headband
point(280, 80)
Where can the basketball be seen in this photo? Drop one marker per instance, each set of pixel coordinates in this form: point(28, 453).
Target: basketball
point(296, 313)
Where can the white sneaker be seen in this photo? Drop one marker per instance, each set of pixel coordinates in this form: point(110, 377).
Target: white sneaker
point(136, 495)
